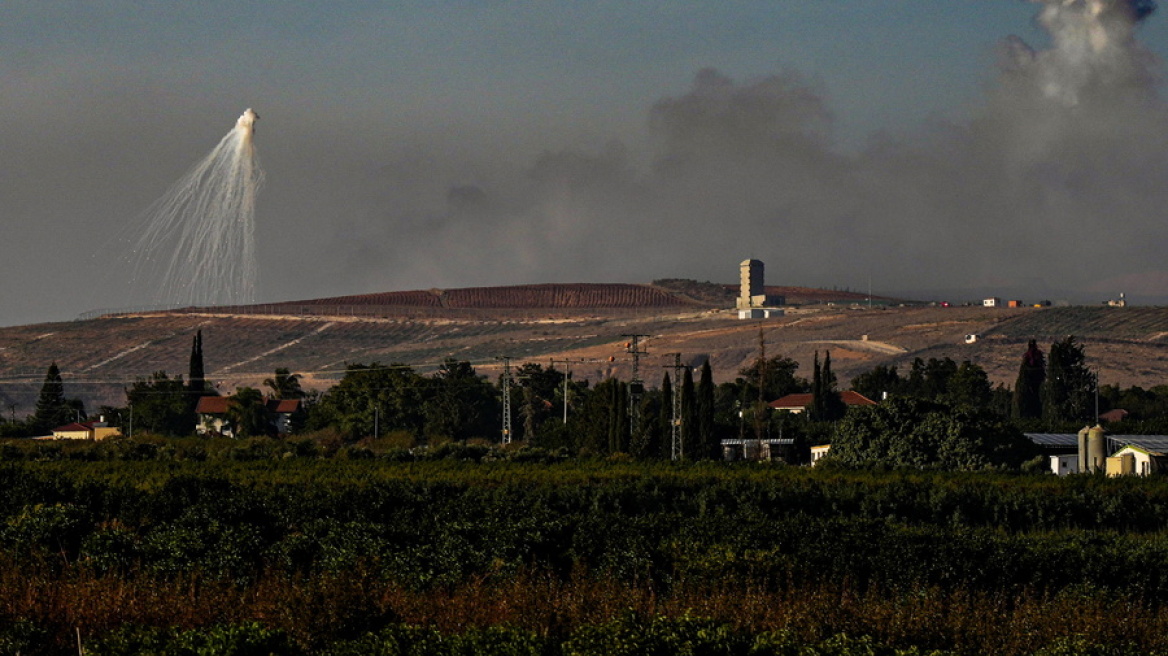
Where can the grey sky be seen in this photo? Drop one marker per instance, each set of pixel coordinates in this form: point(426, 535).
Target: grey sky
point(422, 144)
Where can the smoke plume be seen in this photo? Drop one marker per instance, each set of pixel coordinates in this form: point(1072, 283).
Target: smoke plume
point(1057, 182)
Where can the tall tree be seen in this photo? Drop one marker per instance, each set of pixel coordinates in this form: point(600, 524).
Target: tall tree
point(618, 420)
point(461, 404)
point(284, 385)
point(969, 386)
point(692, 448)
point(1027, 401)
point(911, 432)
point(705, 410)
point(779, 379)
point(161, 404)
point(1069, 389)
point(389, 396)
point(52, 408)
point(665, 420)
point(875, 384)
point(826, 404)
point(818, 408)
point(247, 413)
point(196, 381)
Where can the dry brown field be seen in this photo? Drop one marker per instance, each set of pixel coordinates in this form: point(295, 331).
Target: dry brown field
point(585, 324)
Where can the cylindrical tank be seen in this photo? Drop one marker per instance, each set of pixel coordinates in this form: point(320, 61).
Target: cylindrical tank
point(1097, 449)
point(1083, 464)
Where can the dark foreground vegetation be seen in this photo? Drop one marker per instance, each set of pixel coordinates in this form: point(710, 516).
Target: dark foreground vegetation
point(185, 546)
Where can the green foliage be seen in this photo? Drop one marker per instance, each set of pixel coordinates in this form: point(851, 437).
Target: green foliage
point(247, 413)
point(284, 385)
point(401, 640)
point(460, 405)
point(780, 379)
point(463, 516)
point(52, 408)
point(904, 432)
point(391, 396)
point(1069, 388)
point(251, 639)
point(162, 405)
point(632, 635)
point(876, 383)
point(1027, 401)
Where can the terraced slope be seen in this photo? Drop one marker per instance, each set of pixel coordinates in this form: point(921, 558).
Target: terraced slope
point(99, 357)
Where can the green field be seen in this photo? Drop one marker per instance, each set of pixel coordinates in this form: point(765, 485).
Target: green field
point(265, 546)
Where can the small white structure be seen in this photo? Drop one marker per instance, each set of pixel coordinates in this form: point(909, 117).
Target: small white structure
point(993, 301)
point(1064, 463)
point(760, 313)
point(818, 452)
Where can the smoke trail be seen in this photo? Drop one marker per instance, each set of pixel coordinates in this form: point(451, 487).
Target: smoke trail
point(197, 244)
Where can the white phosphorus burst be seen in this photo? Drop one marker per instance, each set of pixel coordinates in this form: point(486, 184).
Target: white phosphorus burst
point(197, 243)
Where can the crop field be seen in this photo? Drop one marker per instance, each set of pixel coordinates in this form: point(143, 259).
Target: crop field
point(148, 545)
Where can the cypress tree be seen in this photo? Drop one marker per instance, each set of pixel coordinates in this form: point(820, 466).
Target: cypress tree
point(692, 448)
point(817, 409)
point(196, 381)
point(1027, 399)
point(707, 435)
point(665, 421)
point(826, 404)
point(52, 409)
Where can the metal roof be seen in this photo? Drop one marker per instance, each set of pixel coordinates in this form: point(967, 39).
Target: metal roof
point(773, 440)
point(1054, 439)
point(1148, 442)
point(1114, 442)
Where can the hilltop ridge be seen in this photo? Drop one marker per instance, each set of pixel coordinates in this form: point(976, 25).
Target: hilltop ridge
point(583, 323)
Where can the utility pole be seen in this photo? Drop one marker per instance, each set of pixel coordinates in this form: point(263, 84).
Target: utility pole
point(759, 414)
point(567, 372)
point(676, 448)
point(636, 385)
point(506, 397)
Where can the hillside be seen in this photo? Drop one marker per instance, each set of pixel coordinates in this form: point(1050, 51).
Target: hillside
point(583, 323)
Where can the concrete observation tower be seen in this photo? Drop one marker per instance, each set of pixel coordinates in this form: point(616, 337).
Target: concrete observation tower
point(753, 301)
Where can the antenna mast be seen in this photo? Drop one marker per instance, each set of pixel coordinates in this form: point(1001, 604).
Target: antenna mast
point(506, 397)
point(636, 385)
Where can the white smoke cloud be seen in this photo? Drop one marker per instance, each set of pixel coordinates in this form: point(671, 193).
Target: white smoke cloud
point(1056, 183)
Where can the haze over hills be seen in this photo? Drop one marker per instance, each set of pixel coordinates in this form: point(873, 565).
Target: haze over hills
point(583, 323)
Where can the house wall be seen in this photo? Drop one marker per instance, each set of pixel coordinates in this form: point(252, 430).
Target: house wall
point(1063, 464)
point(818, 452)
point(1131, 461)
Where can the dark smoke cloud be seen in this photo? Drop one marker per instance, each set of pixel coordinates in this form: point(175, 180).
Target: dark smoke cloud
point(1056, 184)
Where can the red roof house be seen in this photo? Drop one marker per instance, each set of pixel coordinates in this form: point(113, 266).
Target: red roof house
point(796, 403)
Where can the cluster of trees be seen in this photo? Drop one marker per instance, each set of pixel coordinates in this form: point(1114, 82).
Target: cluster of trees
point(952, 401)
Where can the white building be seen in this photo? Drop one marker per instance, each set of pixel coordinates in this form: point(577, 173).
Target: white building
point(1064, 463)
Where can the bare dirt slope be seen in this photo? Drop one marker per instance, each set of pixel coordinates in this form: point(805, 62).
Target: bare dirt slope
point(242, 346)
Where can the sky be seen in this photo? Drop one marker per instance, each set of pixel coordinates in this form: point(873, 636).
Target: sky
point(918, 147)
